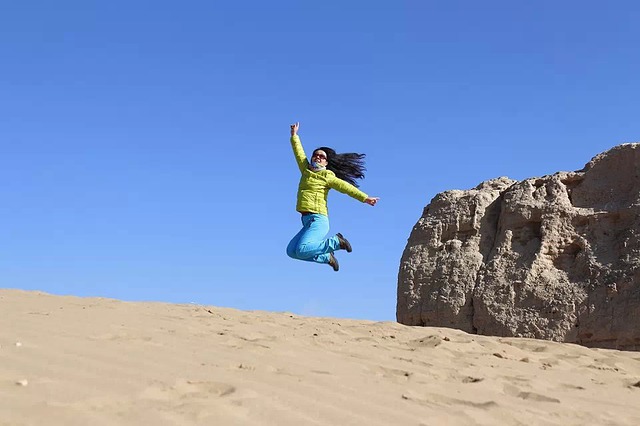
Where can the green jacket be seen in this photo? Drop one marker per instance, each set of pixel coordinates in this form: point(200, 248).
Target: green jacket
point(314, 185)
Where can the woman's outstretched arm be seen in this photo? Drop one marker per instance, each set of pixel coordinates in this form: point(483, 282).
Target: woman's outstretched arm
point(298, 151)
point(346, 188)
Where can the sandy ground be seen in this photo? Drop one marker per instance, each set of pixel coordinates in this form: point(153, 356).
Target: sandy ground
point(94, 361)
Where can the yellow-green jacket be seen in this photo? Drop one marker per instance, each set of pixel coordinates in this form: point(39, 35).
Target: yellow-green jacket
point(314, 185)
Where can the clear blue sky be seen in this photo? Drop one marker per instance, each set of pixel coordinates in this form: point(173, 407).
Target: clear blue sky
point(145, 145)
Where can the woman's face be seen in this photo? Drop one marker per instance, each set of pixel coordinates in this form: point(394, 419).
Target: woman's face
point(320, 157)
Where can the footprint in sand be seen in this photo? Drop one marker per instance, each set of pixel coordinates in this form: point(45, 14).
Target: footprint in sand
point(426, 342)
point(435, 400)
point(188, 389)
point(512, 390)
point(392, 373)
point(204, 388)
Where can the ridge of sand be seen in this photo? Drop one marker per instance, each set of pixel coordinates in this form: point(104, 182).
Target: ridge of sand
point(67, 360)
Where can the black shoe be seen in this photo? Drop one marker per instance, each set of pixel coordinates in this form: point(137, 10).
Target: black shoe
point(333, 262)
point(344, 244)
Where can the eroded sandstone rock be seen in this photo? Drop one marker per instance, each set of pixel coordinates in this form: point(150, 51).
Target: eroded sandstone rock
point(555, 257)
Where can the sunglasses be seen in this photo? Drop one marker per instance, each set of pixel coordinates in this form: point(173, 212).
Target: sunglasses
point(320, 156)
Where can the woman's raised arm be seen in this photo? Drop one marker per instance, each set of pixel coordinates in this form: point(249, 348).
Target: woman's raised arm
point(298, 151)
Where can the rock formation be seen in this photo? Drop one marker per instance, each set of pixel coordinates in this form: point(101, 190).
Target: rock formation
point(555, 257)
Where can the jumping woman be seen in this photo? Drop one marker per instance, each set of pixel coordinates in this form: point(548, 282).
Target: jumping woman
point(325, 171)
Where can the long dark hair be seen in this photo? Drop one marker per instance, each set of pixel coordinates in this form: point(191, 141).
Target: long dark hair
point(348, 166)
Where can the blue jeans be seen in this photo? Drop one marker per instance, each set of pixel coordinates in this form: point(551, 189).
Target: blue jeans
point(309, 244)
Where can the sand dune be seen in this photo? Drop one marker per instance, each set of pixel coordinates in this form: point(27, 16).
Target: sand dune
point(80, 361)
